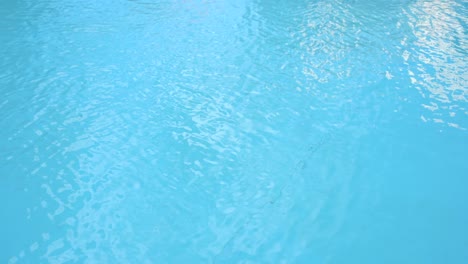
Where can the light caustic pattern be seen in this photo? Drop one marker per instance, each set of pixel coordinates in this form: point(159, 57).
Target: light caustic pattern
point(248, 131)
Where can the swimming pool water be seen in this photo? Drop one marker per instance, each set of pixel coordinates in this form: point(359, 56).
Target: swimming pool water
point(248, 131)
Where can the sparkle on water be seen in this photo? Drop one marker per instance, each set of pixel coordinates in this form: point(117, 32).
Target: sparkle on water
point(247, 131)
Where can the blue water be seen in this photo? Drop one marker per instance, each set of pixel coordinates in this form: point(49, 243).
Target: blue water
point(247, 131)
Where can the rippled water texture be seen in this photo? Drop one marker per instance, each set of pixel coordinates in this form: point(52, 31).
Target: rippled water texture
point(247, 131)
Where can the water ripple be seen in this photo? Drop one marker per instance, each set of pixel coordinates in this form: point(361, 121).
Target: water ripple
point(213, 131)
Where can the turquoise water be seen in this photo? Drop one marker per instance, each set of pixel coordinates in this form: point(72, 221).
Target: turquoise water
point(247, 131)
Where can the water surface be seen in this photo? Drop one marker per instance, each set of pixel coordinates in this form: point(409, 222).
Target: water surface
point(249, 131)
